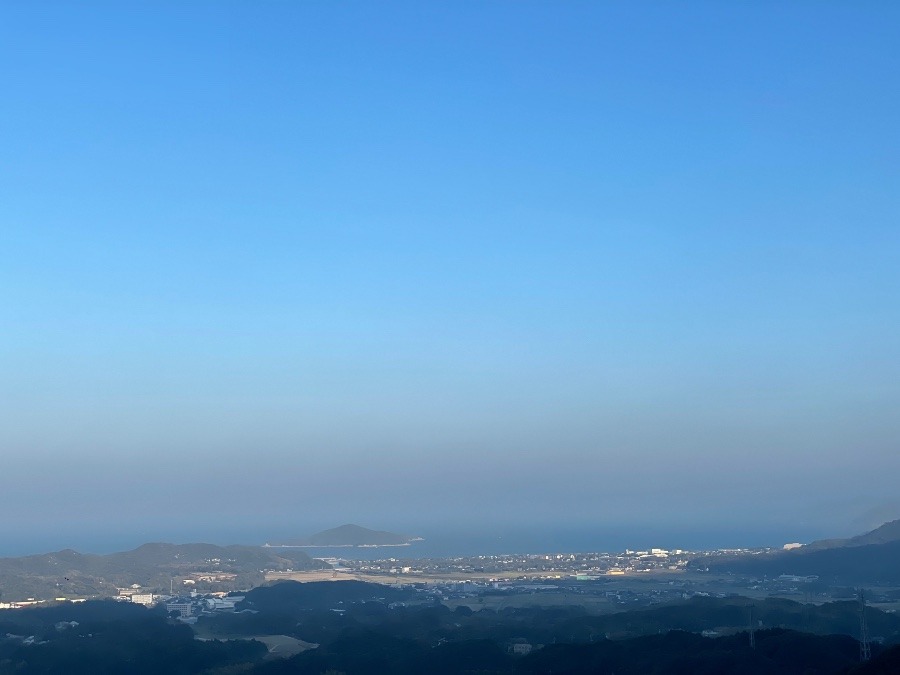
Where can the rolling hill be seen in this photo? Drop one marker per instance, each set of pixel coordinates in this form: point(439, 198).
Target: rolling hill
point(867, 558)
point(154, 567)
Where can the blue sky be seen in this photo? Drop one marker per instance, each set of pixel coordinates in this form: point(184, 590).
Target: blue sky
point(427, 264)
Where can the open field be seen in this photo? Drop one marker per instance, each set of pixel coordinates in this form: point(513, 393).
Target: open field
point(279, 646)
point(641, 580)
point(284, 646)
point(589, 594)
point(387, 579)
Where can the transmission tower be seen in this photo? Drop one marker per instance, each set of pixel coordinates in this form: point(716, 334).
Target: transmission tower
point(752, 629)
point(807, 609)
point(865, 648)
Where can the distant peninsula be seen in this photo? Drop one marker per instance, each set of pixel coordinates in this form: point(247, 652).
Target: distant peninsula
point(351, 535)
point(153, 568)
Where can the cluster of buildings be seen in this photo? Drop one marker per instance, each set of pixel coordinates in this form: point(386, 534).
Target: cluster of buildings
point(583, 566)
point(31, 602)
point(188, 606)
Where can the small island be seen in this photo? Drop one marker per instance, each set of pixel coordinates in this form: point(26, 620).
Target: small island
point(351, 536)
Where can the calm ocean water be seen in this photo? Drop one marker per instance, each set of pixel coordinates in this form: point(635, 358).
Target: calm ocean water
point(437, 543)
point(444, 545)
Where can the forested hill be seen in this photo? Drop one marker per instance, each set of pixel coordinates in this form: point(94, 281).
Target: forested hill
point(884, 534)
point(873, 557)
point(366, 629)
point(152, 566)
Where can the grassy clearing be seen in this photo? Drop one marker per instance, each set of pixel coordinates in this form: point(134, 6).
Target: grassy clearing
point(284, 646)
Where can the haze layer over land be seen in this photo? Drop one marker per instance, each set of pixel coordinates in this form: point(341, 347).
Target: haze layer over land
point(269, 267)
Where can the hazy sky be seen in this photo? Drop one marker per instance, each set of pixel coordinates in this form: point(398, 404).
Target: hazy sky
point(286, 265)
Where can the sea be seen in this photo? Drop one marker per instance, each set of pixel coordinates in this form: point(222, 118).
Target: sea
point(437, 542)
